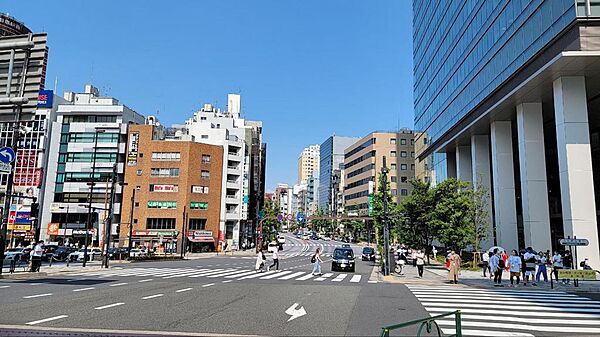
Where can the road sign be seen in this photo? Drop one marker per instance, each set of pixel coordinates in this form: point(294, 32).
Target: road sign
point(279, 217)
point(290, 217)
point(574, 242)
point(577, 274)
point(300, 217)
point(7, 155)
point(5, 168)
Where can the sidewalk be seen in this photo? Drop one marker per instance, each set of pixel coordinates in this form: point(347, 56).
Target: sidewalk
point(54, 270)
point(195, 256)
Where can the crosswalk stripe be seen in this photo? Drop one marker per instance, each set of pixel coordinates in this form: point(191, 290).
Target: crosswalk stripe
point(305, 277)
point(256, 275)
point(290, 276)
point(214, 271)
point(226, 273)
point(511, 307)
point(339, 278)
point(355, 278)
point(508, 325)
point(516, 313)
point(186, 273)
point(469, 332)
point(497, 296)
point(241, 274)
point(268, 277)
point(509, 291)
point(531, 320)
point(566, 304)
point(322, 278)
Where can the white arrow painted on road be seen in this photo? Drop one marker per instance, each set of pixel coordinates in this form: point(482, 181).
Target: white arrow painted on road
point(295, 313)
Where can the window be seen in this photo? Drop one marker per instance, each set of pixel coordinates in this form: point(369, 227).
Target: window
point(424, 140)
point(412, 167)
point(164, 172)
point(205, 159)
point(166, 156)
point(394, 192)
point(87, 157)
point(393, 154)
point(393, 141)
point(229, 230)
point(89, 137)
point(160, 223)
point(403, 154)
point(137, 204)
point(403, 179)
point(403, 167)
point(393, 166)
point(394, 179)
point(197, 224)
point(404, 192)
point(204, 136)
point(403, 141)
point(139, 172)
point(89, 119)
point(199, 205)
point(412, 154)
point(412, 142)
point(162, 204)
point(205, 174)
point(202, 118)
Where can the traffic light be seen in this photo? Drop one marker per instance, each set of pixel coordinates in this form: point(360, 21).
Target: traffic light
point(35, 209)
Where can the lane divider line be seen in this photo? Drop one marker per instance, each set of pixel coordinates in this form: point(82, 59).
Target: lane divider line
point(47, 320)
point(109, 306)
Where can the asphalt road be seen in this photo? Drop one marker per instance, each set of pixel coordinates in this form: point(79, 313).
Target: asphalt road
point(210, 296)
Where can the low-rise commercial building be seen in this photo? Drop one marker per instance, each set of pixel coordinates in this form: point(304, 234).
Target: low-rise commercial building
point(173, 192)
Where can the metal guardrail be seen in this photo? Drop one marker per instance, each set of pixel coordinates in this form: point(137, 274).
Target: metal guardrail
point(427, 324)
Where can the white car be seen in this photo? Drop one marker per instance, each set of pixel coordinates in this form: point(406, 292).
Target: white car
point(281, 239)
point(92, 253)
point(272, 247)
point(136, 252)
point(326, 238)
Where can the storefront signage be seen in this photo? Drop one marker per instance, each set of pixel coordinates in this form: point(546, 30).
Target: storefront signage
point(199, 189)
point(132, 154)
point(53, 228)
point(577, 274)
point(23, 218)
point(165, 188)
point(574, 242)
point(155, 233)
point(44, 99)
point(201, 233)
point(92, 232)
point(13, 227)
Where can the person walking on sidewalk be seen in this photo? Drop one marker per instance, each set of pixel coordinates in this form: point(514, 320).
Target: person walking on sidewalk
point(497, 267)
point(542, 261)
point(485, 263)
point(316, 260)
point(454, 267)
point(514, 265)
point(275, 261)
point(420, 261)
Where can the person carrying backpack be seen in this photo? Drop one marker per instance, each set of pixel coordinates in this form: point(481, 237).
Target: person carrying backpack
point(316, 261)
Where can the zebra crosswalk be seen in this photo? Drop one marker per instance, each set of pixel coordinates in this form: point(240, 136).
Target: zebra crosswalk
point(510, 312)
point(225, 273)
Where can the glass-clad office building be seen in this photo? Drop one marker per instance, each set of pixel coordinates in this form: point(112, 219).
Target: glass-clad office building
point(507, 94)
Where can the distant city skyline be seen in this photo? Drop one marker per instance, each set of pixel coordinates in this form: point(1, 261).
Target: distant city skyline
point(307, 69)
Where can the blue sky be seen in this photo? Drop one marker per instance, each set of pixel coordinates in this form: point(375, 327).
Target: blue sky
point(307, 69)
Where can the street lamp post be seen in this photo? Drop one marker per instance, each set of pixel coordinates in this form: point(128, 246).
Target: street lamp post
point(92, 182)
point(130, 243)
point(108, 220)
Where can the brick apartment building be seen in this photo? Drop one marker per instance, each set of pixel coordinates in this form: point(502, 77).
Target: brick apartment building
point(177, 181)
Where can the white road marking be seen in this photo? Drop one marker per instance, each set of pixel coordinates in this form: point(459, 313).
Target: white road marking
point(339, 278)
point(372, 281)
point(507, 325)
point(256, 275)
point(305, 277)
point(109, 306)
point(84, 289)
point(268, 277)
point(2, 287)
point(152, 296)
point(287, 277)
point(39, 295)
point(241, 274)
point(227, 273)
point(182, 290)
point(322, 278)
point(466, 332)
point(47, 320)
point(146, 280)
point(295, 313)
point(355, 278)
point(227, 281)
point(118, 284)
point(208, 285)
point(215, 271)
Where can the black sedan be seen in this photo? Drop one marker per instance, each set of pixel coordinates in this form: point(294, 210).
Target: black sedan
point(368, 254)
point(343, 259)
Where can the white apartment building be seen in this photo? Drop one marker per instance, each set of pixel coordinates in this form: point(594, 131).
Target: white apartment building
point(226, 128)
point(308, 163)
point(87, 138)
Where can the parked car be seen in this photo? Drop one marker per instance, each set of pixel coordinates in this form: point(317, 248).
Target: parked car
point(136, 252)
point(92, 254)
point(343, 259)
point(62, 253)
point(48, 251)
point(368, 254)
point(281, 239)
point(16, 254)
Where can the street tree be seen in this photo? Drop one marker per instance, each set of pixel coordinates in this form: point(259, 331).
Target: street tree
point(416, 228)
point(451, 216)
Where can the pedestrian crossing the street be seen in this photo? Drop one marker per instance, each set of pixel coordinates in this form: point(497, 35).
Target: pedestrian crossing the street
point(225, 273)
point(510, 312)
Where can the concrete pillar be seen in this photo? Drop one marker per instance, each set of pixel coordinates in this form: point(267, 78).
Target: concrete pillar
point(464, 169)
point(532, 170)
point(575, 164)
point(451, 164)
point(505, 209)
point(482, 177)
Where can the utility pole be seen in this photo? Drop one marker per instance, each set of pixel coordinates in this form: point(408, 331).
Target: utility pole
point(108, 220)
point(130, 243)
point(92, 182)
point(184, 233)
point(386, 229)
